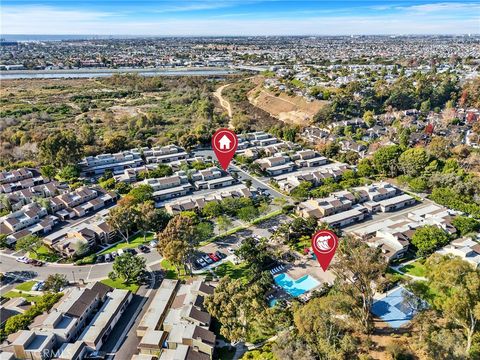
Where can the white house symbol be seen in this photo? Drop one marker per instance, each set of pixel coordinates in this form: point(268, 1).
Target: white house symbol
point(224, 143)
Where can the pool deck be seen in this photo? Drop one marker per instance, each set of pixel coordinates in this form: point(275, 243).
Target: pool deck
point(302, 267)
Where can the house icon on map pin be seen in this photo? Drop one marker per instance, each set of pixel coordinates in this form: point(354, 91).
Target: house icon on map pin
point(225, 143)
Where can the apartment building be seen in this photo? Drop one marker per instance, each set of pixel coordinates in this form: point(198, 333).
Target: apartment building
point(88, 312)
point(81, 202)
point(176, 326)
point(15, 175)
point(465, 248)
point(34, 345)
point(106, 318)
point(116, 163)
point(169, 187)
point(31, 219)
point(308, 158)
point(211, 178)
point(275, 165)
point(26, 183)
point(315, 175)
point(194, 202)
point(164, 154)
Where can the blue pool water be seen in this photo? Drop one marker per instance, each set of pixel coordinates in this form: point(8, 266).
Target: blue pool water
point(272, 302)
point(296, 287)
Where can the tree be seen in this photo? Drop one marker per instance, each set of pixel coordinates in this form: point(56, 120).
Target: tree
point(177, 241)
point(325, 329)
point(29, 243)
point(248, 183)
point(61, 148)
point(3, 241)
point(115, 142)
point(129, 267)
point(147, 214)
point(69, 172)
point(365, 168)
point(458, 288)
point(247, 213)
point(412, 162)
point(256, 256)
point(291, 347)
point(224, 223)
point(302, 190)
point(439, 147)
point(466, 225)
point(359, 269)
point(212, 209)
point(124, 217)
point(385, 160)
point(237, 305)
point(55, 282)
point(368, 118)
point(428, 238)
point(142, 193)
point(48, 171)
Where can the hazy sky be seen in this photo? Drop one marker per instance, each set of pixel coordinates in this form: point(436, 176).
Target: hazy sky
point(235, 17)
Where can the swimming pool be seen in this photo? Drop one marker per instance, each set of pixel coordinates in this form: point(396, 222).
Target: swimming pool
point(296, 287)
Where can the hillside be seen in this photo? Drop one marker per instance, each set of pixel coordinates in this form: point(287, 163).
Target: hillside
point(289, 109)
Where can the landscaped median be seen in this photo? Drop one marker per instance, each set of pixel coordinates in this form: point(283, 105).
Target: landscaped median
point(119, 284)
point(133, 243)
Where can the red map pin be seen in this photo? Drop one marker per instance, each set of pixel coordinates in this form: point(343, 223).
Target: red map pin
point(324, 245)
point(224, 143)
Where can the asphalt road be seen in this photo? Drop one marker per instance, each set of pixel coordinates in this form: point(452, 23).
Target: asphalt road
point(243, 175)
point(85, 273)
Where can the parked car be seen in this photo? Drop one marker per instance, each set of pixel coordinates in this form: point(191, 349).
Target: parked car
point(220, 255)
point(41, 285)
point(143, 248)
point(201, 262)
point(100, 259)
point(207, 259)
point(231, 250)
point(131, 251)
point(153, 243)
point(120, 252)
point(114, 254)
point(37, 263)
point(108, 257)
point(213, 257)
point(35, 286)
point(22, 259)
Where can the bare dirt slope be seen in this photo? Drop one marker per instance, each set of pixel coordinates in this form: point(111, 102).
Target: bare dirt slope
point(289, 109)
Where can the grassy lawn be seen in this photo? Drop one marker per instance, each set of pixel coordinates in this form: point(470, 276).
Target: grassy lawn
point(44, 254)
point(415, 269)
point(233, 271)
point(171, 271)
point(134, 242)
point(15, 294)
point(26, 286)
point(118, 284)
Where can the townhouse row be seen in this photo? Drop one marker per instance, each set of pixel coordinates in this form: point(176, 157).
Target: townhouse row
point(39, 217)
point(93, 166)
point(77, 325)
point(176, 325)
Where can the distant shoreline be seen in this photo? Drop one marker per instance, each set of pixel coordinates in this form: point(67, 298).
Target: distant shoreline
point(104, 72)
